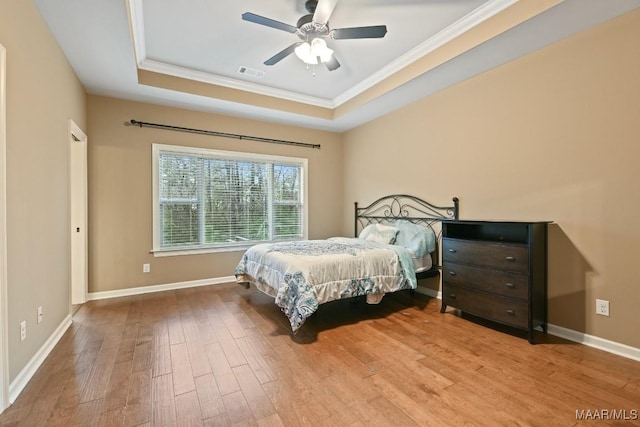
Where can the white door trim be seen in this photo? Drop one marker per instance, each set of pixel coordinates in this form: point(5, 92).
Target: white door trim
point(4, 316)
point(78, 213)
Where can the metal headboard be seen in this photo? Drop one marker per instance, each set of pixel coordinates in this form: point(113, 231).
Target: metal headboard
point(402, 206)
point(410, 208)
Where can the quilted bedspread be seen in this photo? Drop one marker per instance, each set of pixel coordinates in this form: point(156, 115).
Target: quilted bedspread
point(302, 275)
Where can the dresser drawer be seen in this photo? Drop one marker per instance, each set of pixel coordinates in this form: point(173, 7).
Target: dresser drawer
point(494, 307)
point(514, 285)
point(509, 257)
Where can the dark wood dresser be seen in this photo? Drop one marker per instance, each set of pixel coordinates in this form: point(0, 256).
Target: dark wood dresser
point(496, 270)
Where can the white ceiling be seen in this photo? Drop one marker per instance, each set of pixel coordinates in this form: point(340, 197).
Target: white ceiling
point(221, 45)
point(107, 41)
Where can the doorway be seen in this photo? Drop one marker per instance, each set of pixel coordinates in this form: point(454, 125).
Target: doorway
point(78, 213)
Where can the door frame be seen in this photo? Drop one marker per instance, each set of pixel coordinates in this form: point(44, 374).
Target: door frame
point(78, 215)
point(4, 315)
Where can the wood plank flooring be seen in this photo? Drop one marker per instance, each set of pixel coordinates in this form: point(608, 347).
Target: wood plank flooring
point(223, 355)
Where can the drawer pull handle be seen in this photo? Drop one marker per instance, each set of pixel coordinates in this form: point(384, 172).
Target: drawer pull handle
point(452, 273)
point(510, 258)
point(510, 285)
point(511, 312)
point(453, 296)
point(453, 251)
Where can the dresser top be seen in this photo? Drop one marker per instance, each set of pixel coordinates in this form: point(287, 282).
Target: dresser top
point(493, 221)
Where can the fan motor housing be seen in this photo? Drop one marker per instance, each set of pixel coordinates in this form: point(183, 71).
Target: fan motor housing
point(306, 19)
point(308, 29)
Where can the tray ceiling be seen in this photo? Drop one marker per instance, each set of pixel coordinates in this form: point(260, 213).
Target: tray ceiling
point(188, 54)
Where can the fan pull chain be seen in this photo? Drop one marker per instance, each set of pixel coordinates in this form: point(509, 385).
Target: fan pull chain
point(313, 69)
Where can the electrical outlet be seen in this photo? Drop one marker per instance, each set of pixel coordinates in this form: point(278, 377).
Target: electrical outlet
point(39, 314)
point(23, 330)
point(602, 307)
point(146, 268)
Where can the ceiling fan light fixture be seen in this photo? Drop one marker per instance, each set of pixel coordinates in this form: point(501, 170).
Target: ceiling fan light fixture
point(314, 52)
point(312, 29)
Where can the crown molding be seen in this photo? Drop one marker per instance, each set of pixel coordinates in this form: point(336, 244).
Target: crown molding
point(136, 23)
point(136, 26)
point(461, 26)
point(204, 77)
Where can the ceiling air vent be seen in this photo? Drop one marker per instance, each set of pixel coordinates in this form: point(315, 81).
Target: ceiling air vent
point(251, 72)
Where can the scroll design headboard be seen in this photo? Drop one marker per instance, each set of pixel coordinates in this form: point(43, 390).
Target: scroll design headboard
point(411, 208)
point(402, 206)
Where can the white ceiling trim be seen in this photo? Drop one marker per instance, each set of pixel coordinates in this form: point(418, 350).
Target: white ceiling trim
point(136, 23)
point(461, 26)
point(201, 76)
point(469, 21)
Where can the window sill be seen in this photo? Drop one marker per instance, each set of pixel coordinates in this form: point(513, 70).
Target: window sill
point(237, 247)
point(199, 251)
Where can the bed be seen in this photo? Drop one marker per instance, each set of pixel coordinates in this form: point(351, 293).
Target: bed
point(395, 244)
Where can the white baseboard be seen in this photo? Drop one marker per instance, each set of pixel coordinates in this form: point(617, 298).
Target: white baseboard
point(159, 288)
point(595, 342)
point(21, 380)
point(571, 335)
point(429, 292)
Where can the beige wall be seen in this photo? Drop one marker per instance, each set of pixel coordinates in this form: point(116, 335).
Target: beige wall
point(550, 136)
point(553, 136)
point(120, 200)
point(43, 92)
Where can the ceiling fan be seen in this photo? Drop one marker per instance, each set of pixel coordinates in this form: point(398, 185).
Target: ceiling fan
point(313, 29)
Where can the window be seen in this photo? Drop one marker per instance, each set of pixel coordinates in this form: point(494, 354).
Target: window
point(210, 200)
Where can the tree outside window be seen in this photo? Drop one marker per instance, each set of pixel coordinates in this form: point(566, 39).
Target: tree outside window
point(215, 199)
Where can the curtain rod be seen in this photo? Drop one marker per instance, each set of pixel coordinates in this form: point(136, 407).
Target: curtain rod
point(134, 122)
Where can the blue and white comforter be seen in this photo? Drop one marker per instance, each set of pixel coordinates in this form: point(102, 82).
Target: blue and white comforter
point(302, 275)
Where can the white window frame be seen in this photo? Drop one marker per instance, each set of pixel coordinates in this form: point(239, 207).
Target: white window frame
point(235, 155)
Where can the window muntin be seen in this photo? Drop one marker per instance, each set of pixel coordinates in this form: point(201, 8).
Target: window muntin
point(218, 200)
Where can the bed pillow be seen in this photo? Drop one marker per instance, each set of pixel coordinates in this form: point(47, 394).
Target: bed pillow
point(419, 239)
point(379, 233)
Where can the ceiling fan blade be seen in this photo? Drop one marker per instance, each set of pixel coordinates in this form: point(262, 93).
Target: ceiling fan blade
point(333, 63)
point(373, 32)
point(324, 9)
point(282, 54)
point(257, 19)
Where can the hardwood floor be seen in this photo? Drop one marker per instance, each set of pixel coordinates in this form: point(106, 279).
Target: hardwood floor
point(223, 355)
